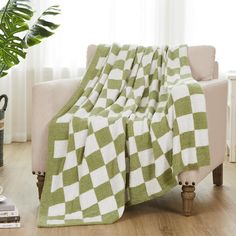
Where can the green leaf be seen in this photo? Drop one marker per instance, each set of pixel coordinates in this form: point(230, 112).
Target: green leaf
point(2, 68)
point(42, 28)
point(53, 10)
point(48, 24)
point(11, 47)
point(20, 9)
point(14, 18)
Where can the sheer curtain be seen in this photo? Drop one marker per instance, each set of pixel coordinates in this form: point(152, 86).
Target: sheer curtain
point(145, 22)
point(211, 22)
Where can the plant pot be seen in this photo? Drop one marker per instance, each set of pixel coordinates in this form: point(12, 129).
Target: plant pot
point(2, 113)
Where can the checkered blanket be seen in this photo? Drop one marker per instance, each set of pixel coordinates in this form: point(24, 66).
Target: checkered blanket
point(137, 120)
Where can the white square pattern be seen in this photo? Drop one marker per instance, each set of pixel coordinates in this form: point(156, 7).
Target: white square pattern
point(99, 176)
point(130, 102)
point(55, 222)
point(185, 70)
point(132, 148)
point(147, 59)
point(180, 91)
point(174, 78)
point(161, 165)
point(117, 183)
point(182, 51)
point(185, 123)
point(144, 102)
point(134, 70)
point(60, 148)
point(71, 191)
point(112, 94)
point(165, 142)
point(146, 157)
point(189, 156)
point(140, 73)
point(128, 64)
point(57, 182)
point(80, 138)
point(65, 118)
point(57, 210)
point(108, 152)
point(176, 145)
point(74, 216)
point(88, 199)
point(171, 116)
point(122, 55)
point(121, 161)
point(107, 205)
point(139, 56)
point(116, 129)
point(83, 169)
point(201, 137)
point(82, 99)
point(136, 177)
point(121, 211)
point(101, 102)
point(94, 219)
point(140, 127)
point(100, 63)
point(102, 80)
point(91, 145)
point(93, 97)
point(116, 74)
point(152, 187)
point(172, 64)
point(70, 161)
point(111, 59)
point(98, 123)
point(198, 103)
point(153, 67)
point(139, 91)
point(81, 113)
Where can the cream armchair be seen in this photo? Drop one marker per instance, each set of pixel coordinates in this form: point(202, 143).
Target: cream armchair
point(49, 97)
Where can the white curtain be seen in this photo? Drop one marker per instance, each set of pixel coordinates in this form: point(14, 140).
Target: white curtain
point(210, 22)
point(145, 22)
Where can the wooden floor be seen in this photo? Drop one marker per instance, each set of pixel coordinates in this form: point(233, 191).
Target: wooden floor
point(214, 207)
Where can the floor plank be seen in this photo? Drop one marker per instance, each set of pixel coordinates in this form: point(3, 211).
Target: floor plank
point(214, 207)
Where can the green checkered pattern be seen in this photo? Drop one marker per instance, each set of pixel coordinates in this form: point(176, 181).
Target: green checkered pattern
point(137, 120)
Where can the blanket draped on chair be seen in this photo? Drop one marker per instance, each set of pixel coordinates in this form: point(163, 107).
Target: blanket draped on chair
point(137, 120)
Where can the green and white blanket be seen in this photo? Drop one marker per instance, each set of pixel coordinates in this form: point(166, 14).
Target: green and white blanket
point(137, 120)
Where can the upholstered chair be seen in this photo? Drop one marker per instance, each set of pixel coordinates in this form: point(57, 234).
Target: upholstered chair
point(49, 97)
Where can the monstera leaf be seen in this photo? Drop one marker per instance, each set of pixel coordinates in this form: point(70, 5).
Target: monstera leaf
point(14, 18)
point(42, 28)
point(20, 9)
point(11, 48)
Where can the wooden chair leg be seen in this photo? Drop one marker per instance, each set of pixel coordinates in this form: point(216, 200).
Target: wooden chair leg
point(188, 196)
point(218, 175)
point(40, 184)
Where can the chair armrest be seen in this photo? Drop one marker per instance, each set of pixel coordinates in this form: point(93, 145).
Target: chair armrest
point(216, 93)
point(212, 84)
point(216, 105)
point(48, 99)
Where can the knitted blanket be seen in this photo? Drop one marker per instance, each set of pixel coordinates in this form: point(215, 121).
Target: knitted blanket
point(137, 120)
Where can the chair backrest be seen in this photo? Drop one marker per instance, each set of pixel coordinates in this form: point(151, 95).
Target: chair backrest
point(201, 60)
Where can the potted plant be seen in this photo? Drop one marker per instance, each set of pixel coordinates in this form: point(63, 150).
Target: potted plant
point(17, 36)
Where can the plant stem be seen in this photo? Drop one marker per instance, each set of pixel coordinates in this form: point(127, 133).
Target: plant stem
point(1, 71)
point(5, 10)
